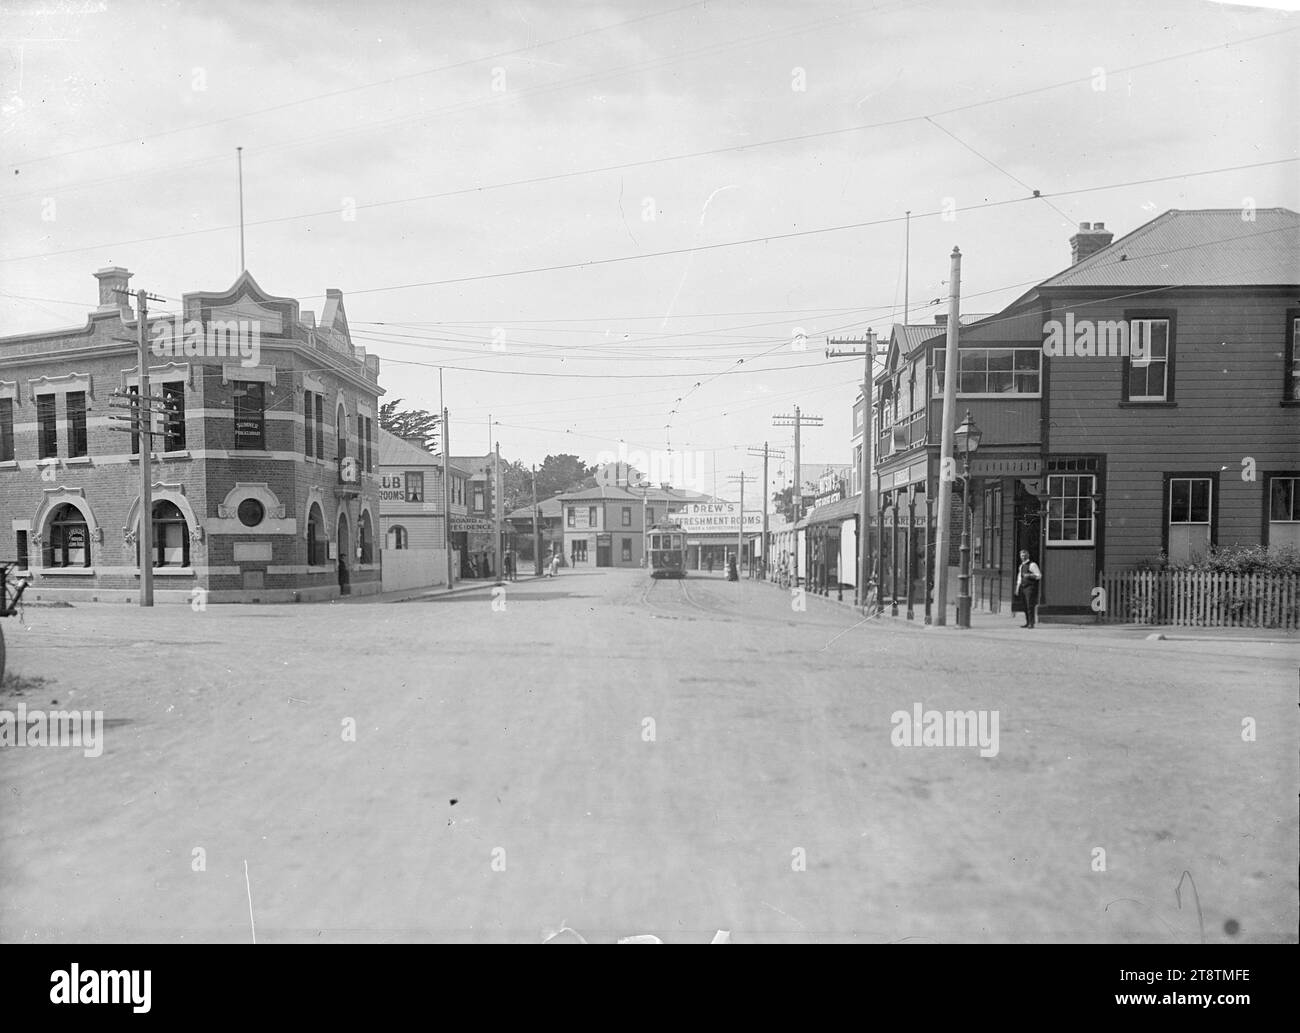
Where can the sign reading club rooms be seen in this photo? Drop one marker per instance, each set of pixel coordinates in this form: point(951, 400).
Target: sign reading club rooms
point(705, 517)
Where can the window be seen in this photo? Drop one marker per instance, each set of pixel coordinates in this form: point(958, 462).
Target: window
point(250, 414)
point(1189, 517)
point(76, 406)
point(1069, 509)
point(320, 426)
point(627, 550)
point(627, 516)
point(68, 542)
point(478, 499)
point(47, 427)
point(315, 537)
point(361, 441)
point(649, 516)
point(571, 517)
point(365, 544)
point(308, 431)
point(341, 432)
point(991, 528)
point(370, 445)
point(6, 430)
point(171, 539)
point(174, 417)
point(24, 561)
point(414, 486)
point(134, 391)
point(591, 516)
point(1291, 372)
point(993, 371)
point(1148, 379)
point(1284, 512)
point(250, 512)
point(397, 538)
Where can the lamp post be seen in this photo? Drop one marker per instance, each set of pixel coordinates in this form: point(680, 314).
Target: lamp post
point(967, 440)
point(911, 548)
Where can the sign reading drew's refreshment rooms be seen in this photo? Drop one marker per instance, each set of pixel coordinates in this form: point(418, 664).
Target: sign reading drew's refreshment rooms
point(705, 517)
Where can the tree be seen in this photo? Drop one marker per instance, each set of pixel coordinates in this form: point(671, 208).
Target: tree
point(417, 425)
point(562, 473)
point(783, 501)
point(516, 486)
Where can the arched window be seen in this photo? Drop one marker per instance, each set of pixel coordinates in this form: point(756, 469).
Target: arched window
point(397, 537)
point(341, 429)
point(171, 536)
point(365, 544)
point(67, 540)
point(315, 537)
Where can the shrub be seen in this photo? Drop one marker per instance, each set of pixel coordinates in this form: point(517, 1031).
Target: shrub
point(1233, 559)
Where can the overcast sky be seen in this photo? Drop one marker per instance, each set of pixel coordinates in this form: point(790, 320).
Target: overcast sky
point(120, 123)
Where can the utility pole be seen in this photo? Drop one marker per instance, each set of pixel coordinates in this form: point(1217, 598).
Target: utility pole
point(742, 477)
point(496, 510)
point(907, 264)
point(798, 420)
point(143, 409)
point(947, 464)
point(446, 481)
point(837, 347)
point(766, 453)
point(537, 531)
point(239, 158)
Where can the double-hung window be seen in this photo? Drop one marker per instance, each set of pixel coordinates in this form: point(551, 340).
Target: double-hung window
point(47, 427)
point(1148, 372)
point(76, 406)
point(7, 431)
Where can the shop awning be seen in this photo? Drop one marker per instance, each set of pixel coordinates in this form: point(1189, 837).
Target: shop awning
point(832, 512)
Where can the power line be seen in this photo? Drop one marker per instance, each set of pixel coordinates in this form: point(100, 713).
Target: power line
point(355, 89)
point(798, 233)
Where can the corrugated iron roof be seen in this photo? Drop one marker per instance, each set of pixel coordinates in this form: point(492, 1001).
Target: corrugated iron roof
point(1209, 247)
point(395, 451)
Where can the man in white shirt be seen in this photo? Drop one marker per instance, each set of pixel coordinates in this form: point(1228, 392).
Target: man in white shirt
point(1027, 586)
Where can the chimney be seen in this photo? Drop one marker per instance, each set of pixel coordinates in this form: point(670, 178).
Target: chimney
point(941, 319)
point(1090, 239)
point(114, 276)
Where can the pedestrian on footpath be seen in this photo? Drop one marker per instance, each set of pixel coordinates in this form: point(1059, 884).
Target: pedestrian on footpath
point(1027, 581)
point(555, 564)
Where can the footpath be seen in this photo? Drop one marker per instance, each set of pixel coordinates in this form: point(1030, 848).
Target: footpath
point(437, 591)
point(1008, 625)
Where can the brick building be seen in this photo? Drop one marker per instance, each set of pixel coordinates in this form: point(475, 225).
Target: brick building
point(263, 491)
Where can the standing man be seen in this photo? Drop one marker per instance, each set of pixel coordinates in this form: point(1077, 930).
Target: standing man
point(1027, 586)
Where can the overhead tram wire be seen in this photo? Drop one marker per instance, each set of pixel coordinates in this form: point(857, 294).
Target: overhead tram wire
point(928, 116)
point(331, 94)
point(794, 234)
point(709, 50)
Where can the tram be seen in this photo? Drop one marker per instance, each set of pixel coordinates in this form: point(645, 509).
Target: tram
point(667, 547)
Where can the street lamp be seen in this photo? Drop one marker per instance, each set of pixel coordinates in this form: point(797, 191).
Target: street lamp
point(967, 439)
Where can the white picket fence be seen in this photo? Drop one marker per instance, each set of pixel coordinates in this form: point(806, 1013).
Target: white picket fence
point(1208, 599)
